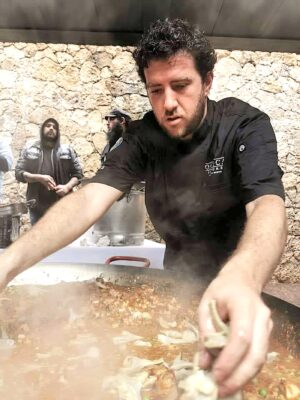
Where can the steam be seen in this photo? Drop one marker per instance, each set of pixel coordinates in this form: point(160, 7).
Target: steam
point(37, 318)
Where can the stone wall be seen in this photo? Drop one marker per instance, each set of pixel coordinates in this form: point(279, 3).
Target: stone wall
point(77, 85)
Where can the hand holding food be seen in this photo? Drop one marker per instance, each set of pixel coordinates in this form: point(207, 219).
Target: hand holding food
point(250, 322)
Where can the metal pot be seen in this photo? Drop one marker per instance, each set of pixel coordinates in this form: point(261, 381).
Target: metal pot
point(124, 223)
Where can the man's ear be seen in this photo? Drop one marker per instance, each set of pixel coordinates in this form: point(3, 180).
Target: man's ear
point(208, 82)
point(123, 121)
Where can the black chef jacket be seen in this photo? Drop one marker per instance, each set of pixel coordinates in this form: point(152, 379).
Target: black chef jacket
point(196, 190)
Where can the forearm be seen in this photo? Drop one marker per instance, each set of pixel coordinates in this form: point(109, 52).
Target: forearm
point(237, 291)
point(30, 178)
point(72, 182)
point(261, 244)
point(62, 224)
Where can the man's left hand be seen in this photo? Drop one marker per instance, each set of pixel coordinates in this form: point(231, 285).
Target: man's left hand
point(62, 190)
point(239, 303)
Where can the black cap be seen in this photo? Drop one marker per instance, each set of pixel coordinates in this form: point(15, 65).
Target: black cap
point(118, 113)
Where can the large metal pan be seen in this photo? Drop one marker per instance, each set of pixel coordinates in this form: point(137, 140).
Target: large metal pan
point(285, 315)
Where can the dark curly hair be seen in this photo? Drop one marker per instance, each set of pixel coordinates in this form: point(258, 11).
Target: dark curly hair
point(168, 37)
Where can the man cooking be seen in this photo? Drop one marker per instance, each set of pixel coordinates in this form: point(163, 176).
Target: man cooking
point(117, 123)
point(213, 191)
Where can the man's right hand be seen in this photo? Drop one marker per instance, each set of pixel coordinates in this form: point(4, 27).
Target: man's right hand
point(46, 180)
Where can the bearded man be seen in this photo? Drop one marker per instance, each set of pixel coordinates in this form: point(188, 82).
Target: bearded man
point(50, 168)
point(117, 123)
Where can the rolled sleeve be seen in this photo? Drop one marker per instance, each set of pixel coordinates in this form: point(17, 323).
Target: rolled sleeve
point(21, 166)
point(76, 166)
point(256, 160)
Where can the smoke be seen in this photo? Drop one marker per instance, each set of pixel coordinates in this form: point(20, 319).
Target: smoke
point(62, 346)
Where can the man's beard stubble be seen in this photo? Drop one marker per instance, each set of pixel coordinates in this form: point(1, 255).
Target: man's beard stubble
point(195, 122)
point(198, 117)
point(49, 141)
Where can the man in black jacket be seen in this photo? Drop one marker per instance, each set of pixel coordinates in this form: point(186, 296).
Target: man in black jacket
point(117, 123)
point(50, 168)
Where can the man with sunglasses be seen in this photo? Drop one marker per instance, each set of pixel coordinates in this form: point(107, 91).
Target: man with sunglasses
point(117, 123)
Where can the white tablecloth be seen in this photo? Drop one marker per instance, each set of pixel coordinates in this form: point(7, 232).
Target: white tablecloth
point(93, 255)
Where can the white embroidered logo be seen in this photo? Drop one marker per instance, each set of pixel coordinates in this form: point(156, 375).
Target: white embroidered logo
point(215, 166)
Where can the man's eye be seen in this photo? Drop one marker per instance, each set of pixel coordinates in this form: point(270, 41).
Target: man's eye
point(180, 86)
point(155, 91)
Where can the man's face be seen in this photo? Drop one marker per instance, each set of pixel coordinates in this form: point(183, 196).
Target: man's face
point(177, 94)
point(115, 128)
point(50, 131)
point(111, 123)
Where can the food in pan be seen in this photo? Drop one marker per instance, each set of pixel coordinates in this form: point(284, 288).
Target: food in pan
point(107, 341)
point(199, 384)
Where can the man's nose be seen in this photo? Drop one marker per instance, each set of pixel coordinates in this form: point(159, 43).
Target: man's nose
point(170, 100)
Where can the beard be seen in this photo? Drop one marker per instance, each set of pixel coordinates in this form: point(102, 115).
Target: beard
point(194, 123)
point(114, 134)
point(49, 141)
point(197, 118)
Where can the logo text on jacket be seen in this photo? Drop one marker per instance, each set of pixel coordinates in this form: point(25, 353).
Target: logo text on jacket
point(215, 166)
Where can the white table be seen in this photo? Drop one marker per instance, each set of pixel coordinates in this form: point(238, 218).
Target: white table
point(74, 253)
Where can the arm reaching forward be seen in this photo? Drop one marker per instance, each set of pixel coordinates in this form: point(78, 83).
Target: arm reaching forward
point(237, 290)
point(63, 223)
